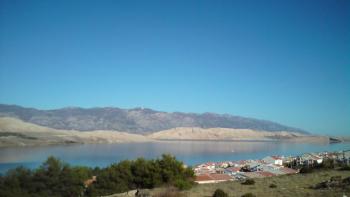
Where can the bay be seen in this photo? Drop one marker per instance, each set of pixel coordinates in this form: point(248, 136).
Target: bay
point(190, 152)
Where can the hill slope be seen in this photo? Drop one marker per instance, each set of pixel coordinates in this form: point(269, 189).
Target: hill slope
point(137, 120)
point(14, 132)
point(184, 133)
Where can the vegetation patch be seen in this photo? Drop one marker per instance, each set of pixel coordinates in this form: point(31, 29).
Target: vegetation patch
point(272, 185)
point(333, 183)
point(56, 178)
point(248, 195)
point(248, 182)
point(9, 134)
point(305, 170)
point(220, 193)
point(345, 168)
point(287, 186)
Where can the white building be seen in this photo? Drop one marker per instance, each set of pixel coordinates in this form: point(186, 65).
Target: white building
point(276, 160)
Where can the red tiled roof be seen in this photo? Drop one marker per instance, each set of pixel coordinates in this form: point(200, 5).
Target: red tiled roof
point(203, 177)
point(276, 157)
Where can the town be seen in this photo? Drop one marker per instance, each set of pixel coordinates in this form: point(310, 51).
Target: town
point(215, 172)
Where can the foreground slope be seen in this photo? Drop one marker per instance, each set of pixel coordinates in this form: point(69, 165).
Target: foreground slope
point(287, 186)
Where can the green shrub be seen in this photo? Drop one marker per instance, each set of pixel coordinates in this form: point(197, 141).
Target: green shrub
point(220, 193)
point(345, 168)
point(182, 184)
point(56, 178)
point(336, 178)
point(248, 182)
point(248, 195)
point(346, 181)
point(272, 185)
point(305, 170)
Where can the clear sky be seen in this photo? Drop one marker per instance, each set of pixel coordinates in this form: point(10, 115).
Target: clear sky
point(285, 61)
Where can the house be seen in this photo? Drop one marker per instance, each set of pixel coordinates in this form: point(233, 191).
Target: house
point(255, 167)
point(318, 159)
point(232, 170)
point(223, 164)
point(270, 167)
point(310, 159)
point(276, 160)
point(205, 168)
point(220, 170)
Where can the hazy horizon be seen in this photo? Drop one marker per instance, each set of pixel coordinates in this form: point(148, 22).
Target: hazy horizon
point(287, 62)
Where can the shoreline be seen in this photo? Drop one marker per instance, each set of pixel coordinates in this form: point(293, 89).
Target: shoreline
point(150, 140)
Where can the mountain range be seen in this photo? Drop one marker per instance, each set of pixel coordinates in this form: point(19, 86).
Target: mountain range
point(136, 120)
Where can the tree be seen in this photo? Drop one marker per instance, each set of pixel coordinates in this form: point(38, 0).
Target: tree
point(15, 182)
point(55, 178)
point(146, 173)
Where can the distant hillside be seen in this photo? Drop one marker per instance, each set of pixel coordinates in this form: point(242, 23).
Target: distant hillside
point(194, 133)
point(137, 120)
point(14, 132)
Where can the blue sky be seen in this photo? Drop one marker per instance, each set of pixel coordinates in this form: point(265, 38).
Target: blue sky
point(285, 61)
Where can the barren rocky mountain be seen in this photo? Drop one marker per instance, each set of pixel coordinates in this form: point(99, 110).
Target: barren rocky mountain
point(15, 132)
point(186, 133)
point(137, 120)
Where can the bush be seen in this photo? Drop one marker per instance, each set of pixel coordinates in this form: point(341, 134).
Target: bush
point(346, 181)
point(305, 170)
point(328, 164)
point(248, 195)
point(56, 178)
point(220, 193)
point(272, 185)
point(336, 178)
point(345, 168)
point(182, 184)
point(248, 182)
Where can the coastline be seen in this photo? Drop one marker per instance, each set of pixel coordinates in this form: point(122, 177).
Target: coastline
point(4, 143)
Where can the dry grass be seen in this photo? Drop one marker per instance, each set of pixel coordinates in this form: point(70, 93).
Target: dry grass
point(287, 185)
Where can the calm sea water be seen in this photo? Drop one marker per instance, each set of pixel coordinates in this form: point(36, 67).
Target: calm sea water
point(190, 152)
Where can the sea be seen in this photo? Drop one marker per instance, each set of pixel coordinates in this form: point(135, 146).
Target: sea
point(189, 152)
